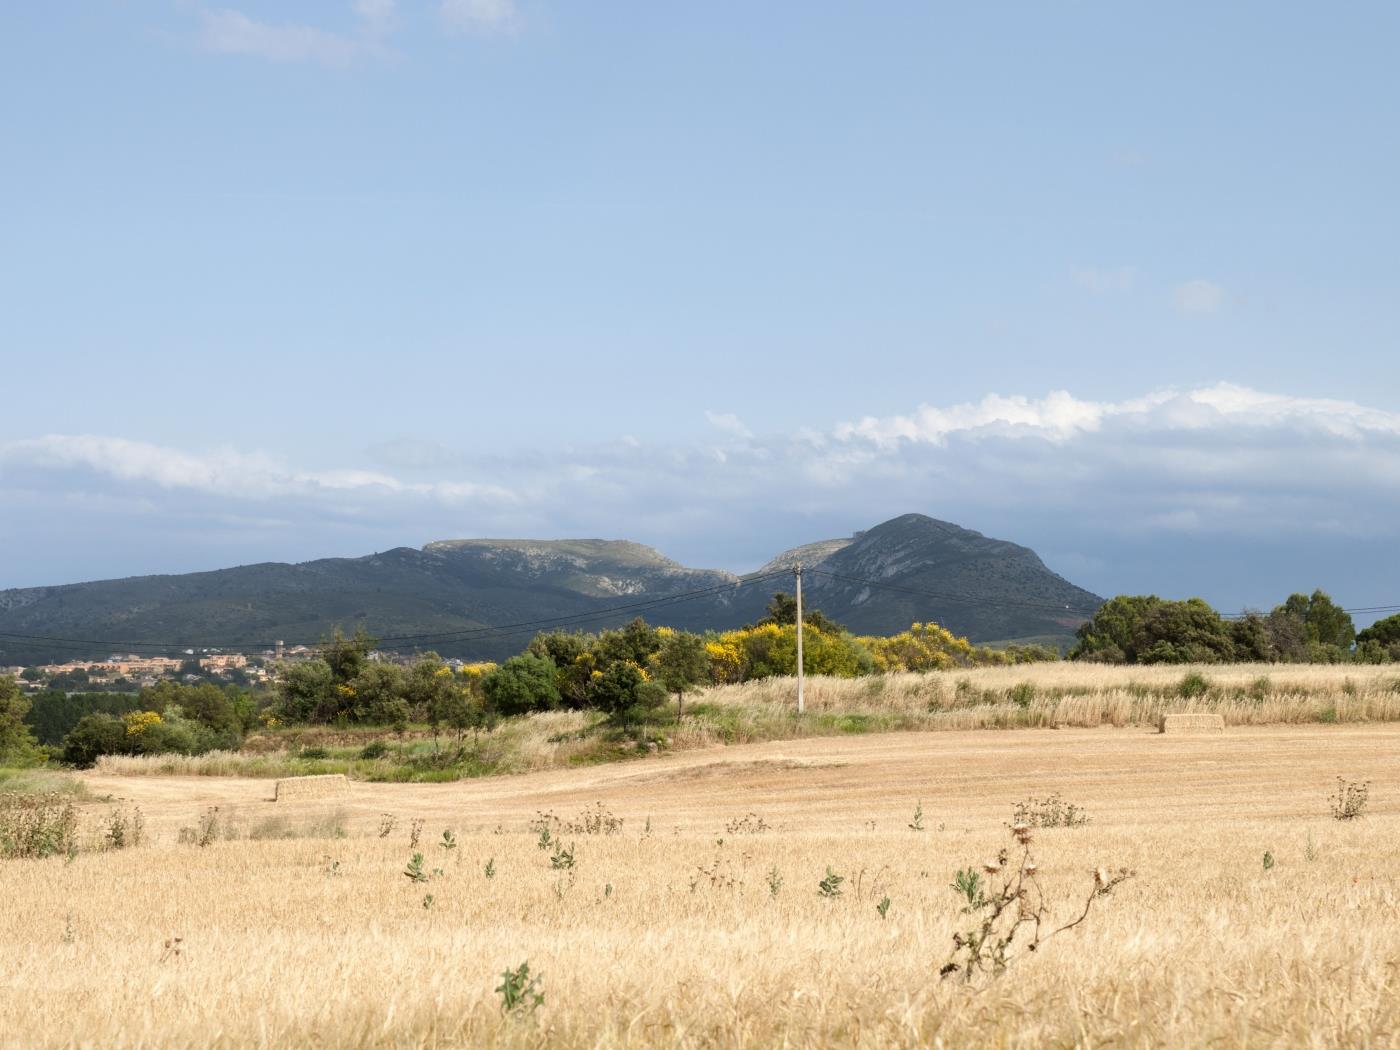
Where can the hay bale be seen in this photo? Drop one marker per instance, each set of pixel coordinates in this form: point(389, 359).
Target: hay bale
point(297, 789)
point(1192, 723)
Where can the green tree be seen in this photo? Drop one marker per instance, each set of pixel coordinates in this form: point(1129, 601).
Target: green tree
point(1380, 643)
point(205, 703)
point(573, 661)
point(682, 665)
point(616, 691)
point(1328, 628)
point(522, 684)
point(1107, 637)
point(635, 643)
point(17, 745)
point(95, 735)
point(305, 688)
point(1384, 632)
point(347, 657)
point(378, 696)
point(1181, 633)
point(782, 612)
point(432, 690)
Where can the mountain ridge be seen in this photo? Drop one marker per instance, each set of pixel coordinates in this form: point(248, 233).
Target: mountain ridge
point(922, 569)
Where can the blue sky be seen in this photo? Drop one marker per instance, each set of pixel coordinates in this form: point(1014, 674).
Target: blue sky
point(281, 280)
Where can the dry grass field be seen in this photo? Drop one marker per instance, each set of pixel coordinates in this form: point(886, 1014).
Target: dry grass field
point(1049, 695)
point(671, 932)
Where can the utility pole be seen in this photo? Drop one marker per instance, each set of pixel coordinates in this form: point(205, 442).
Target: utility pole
point(801, 702)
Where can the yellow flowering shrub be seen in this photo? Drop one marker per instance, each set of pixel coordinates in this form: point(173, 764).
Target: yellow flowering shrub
point(137, 722)
point(924, 647)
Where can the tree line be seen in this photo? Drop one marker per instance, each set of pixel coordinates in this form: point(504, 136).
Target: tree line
point(1146, 629)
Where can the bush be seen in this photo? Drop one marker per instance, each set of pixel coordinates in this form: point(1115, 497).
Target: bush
point(37, 825)
point(1192, 686)
point(522, 684)
point(137, 733)
point(95, 735)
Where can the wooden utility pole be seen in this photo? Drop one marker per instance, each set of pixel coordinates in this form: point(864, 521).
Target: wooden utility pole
point(801, 700)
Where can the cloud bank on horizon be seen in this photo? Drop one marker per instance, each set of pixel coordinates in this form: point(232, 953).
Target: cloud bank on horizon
point(1221, 464)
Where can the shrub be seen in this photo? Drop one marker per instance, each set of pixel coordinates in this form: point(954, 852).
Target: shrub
point(125, 829)
point(1051, 812)
point(1192, 686)
point(1022, 694)
point(1350, 798)
point(37, 825)
point(522, 684)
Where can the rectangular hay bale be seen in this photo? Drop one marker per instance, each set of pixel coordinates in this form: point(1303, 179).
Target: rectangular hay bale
point(1191, 723)
point(325, 785)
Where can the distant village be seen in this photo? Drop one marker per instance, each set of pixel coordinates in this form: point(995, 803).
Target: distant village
point(131, 671)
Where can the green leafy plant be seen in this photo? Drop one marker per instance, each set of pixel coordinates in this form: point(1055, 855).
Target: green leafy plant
point(883, 907)
point(562, 858)
point(775, 881)
point(967, 883)
point(520, 991)
point(1268, 860)
point(490, 869)
point(449, 840)
point(414, 871)
point(830, 885)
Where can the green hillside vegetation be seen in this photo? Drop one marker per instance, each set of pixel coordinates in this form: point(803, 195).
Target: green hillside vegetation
point(977, 587)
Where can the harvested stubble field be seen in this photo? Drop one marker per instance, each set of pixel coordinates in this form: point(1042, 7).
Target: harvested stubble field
point(674, 936)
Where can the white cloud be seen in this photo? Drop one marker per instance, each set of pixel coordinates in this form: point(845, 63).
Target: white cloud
point(224, 473)
point(231, 32)
point(1198, 296)
point(1102, 281)
point(481, 16)
point(729, 423)
point(1220, 460)
point(377, 16)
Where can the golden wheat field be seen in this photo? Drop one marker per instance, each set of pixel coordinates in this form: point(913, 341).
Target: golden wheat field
point(699, 920)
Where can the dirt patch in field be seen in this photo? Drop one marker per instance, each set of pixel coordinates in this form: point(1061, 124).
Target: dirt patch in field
point(760, 766)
